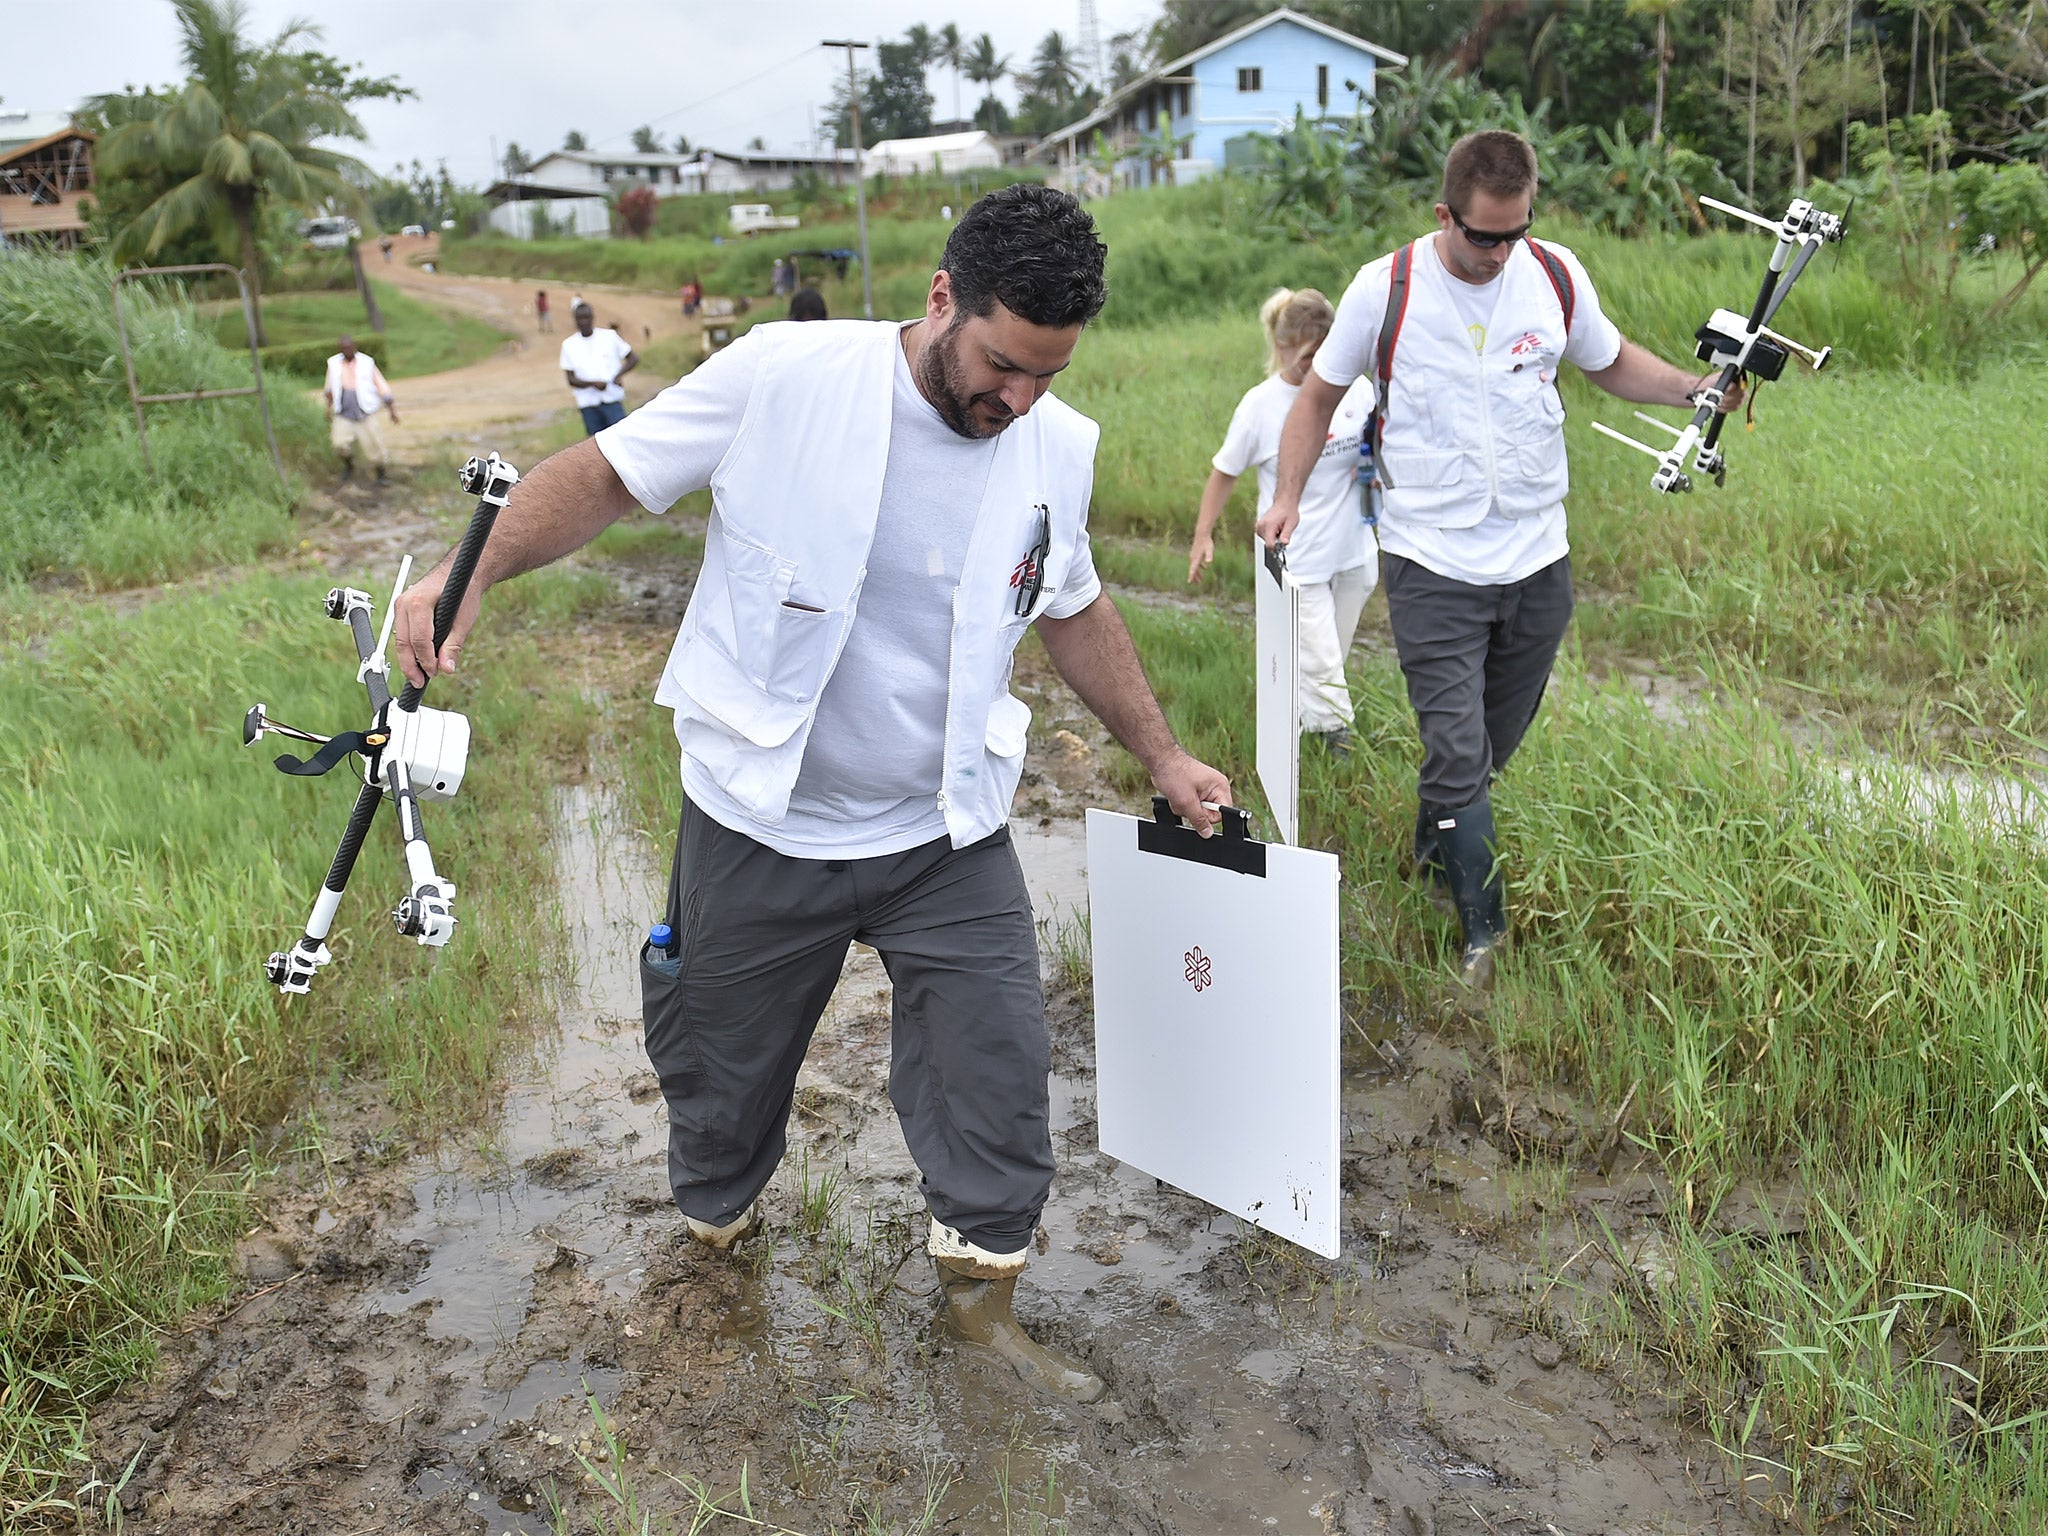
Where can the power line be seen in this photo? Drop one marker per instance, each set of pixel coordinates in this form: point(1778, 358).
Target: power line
point(707, 100)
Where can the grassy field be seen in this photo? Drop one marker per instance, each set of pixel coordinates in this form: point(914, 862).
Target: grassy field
point(1878, 552)
point(1819, 976)
point(417, 338)
point(1821, 980)
point(75, 495)
point(151, 863)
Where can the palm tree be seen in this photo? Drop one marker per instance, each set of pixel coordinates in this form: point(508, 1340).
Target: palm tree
point(1055, 72)
point(984, 66)
point(951, 51)
point(241, 131)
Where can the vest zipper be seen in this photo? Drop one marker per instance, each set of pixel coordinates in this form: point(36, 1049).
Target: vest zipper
point(1486, 426)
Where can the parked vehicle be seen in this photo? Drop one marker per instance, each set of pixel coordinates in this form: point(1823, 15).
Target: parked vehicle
point(414, 229)
point(752, 218)
point(329, 234)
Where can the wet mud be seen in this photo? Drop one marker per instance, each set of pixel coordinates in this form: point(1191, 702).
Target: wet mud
point(509, 1332)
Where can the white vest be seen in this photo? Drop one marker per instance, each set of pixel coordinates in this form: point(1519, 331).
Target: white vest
point(795, 503)
point(1468, 430)
point(370, 384)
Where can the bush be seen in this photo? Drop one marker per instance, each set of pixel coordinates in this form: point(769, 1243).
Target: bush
point(75, 494)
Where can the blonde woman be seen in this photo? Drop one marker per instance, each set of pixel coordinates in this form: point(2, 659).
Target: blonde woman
point(1333, 554)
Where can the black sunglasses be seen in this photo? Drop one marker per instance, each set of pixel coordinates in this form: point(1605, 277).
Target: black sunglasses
point(1487, 239)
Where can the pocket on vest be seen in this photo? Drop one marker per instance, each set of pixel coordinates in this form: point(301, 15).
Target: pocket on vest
point(757, 583)
point(1425, 486)
point(1420, 469)
point(724, 692)
point(1009, 725)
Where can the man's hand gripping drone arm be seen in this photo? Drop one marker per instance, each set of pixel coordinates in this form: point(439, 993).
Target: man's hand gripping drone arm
point(1735, 346)
point(412, 753)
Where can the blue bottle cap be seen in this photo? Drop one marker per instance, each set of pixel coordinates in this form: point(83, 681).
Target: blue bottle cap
point(659, 935)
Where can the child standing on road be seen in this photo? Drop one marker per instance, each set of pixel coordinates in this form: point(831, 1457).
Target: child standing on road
point(1334, 557)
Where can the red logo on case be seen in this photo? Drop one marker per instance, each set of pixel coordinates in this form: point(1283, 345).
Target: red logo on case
point(1198, 968)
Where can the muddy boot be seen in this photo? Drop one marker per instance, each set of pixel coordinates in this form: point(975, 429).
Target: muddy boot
point(348, 470)
point(1465, 842)
point(746, 1224)
point(1429, 866)
point(1336, 741)
point(380, 474)
point(979, 1287)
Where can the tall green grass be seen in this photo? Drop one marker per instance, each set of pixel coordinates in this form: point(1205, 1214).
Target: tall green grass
point(1879, 544)
point(75, 495)
point(1832, 974)
point(417, 338)
point(149, 865)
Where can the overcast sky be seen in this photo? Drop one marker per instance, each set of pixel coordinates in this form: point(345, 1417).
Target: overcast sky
point(721, 71)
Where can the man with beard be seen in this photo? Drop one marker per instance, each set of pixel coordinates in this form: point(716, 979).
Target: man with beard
point(893, 505)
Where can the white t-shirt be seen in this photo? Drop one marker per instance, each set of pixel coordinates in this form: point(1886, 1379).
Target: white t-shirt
point(875, 760)
point(596, 356)
point(1332, 536)
point(1496, 550)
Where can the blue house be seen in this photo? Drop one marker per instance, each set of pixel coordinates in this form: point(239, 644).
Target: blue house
point(1215, 102)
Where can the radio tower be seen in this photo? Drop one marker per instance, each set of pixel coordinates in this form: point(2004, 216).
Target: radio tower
point(1091, 43)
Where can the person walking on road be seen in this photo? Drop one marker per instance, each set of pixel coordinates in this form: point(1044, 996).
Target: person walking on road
point(540, 308)
point(596, 363)
point(895, 505)
point(354, 393)
point(1332, 554)
point(1463, 333)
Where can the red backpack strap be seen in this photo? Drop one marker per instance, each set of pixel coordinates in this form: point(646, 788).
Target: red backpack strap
point(1560, 279)
point(1398, 282)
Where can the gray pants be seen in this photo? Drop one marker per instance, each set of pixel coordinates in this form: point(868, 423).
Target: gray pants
point(1476, 660)
point(761, 939)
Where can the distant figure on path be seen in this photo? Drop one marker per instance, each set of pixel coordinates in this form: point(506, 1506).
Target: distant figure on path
point(693, 296)
point(384, 245)
point(540, 308)
point(809, 304)
point(595, 362)
point(355, 391)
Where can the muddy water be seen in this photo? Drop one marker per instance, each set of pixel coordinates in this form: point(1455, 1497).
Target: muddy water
point(426, 1337)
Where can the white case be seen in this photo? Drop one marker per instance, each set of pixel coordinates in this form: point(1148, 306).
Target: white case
point(1278, 747)
point(1217, 1018)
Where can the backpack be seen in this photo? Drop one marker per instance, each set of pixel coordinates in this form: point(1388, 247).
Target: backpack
point(1397, 311)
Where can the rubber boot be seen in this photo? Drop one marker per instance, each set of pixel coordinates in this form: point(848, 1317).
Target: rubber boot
point(380, 474)
point(1465, 842)
point(746, 1224)
point(1429, 865)
point(978, 1310)
point(348, 469)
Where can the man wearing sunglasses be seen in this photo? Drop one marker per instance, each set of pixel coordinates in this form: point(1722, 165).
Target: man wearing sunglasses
point(1463, 333)
point(893, 506)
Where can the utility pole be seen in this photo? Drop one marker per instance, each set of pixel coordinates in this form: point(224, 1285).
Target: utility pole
point(860, 186)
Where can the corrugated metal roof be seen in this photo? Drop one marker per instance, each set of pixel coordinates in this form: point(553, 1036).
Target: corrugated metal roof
point(19, 125)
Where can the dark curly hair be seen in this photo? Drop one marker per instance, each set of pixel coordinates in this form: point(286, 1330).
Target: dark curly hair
point(1031, 249)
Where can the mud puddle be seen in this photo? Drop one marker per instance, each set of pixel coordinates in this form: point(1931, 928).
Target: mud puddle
point(425, 1337)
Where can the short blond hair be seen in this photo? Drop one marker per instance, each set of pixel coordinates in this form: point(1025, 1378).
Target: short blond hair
point(1292, 318)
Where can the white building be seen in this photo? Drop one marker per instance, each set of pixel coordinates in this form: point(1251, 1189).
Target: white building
point(591, 173)
point(944, 154)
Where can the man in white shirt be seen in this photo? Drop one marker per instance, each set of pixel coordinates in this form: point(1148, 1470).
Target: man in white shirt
point(596, 363)
point(1463, 333)
point(353, 394)
point(894, 505)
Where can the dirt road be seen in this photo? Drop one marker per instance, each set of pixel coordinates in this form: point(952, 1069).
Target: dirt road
point(460, 1338)
point(522, 387)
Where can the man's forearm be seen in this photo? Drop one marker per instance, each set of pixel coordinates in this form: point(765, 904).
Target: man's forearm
point(566, 501)
point(1093, 652)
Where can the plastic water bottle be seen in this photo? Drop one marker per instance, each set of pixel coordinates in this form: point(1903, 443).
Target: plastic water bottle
point(1368, 483)
point(661, 955)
